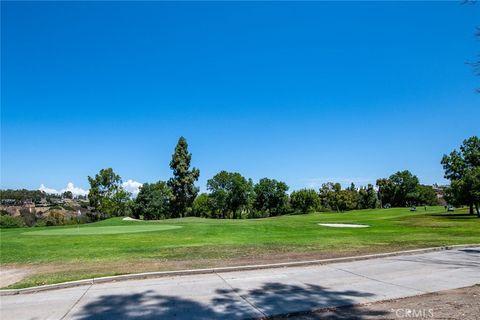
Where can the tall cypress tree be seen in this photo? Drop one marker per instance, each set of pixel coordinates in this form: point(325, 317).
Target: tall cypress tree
point(183, 181)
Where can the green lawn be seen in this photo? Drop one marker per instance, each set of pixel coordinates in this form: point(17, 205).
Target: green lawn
point(94, 229)
point(115, 246)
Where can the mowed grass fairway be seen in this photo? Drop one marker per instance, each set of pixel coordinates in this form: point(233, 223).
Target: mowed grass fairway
point(94, 229)
point(114, 246)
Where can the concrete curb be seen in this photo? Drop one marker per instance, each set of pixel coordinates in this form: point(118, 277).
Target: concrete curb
point(159, 274)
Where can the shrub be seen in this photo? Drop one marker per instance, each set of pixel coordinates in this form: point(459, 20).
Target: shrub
point(55, 218)
point(67, 207)
point(11, 222)
point(40, 223)
point(29, 216)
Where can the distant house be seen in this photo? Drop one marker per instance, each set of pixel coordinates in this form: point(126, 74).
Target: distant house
point(42, 203)
point(58, 201)
point(29, 203)
point(8, 202)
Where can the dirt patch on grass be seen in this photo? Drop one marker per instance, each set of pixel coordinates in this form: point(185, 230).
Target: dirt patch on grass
point(10, 276)
point(460, 303)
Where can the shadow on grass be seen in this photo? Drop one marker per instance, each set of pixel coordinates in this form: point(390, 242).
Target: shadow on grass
point(267, 300)
point(455, 215)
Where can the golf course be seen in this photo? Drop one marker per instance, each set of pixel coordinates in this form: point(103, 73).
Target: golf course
point(117, 246)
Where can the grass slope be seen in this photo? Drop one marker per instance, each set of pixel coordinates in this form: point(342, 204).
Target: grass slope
point(96, 230)
point(115, 246)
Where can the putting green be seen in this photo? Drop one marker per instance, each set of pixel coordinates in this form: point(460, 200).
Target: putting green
point(82, 230)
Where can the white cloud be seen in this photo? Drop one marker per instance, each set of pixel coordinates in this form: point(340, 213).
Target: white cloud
point(47, 190)
point(132, 186)
point(76, 191)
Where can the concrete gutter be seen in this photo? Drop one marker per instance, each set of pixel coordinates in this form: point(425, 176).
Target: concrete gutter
point(149, 275)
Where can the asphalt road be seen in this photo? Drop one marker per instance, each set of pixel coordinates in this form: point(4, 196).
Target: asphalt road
point(253, 294)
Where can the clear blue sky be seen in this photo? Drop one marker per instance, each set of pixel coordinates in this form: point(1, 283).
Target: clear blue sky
point(304, 92)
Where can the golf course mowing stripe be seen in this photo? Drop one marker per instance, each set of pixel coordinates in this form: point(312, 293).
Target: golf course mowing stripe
point(76, 231)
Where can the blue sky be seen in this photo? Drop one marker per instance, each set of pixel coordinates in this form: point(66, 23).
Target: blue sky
point(302, 92)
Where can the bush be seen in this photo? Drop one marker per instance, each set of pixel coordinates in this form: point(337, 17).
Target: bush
point(255, 214)
point(29, 216)
point(67, 207)
point(40, 223)
point(304, 200)
point(11, 222)
point(55, 218)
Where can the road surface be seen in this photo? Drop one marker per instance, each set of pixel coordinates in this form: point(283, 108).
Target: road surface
point(254, 294)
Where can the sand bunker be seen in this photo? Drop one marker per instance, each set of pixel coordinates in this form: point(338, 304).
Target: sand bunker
point(343, 225)
point(130, 219)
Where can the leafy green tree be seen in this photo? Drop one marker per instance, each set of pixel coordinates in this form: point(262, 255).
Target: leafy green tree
point(67, 195)
point(153, 201)
point(399, 190)
point(332, 197)
point(367, 197)
point(201, 206)
point(304, 200)
point(107, 195)
point(348, 200)
point(405, 184)
point(386, 192)
point(462, 168)
point(271, 196)
point(183, 181)
point(230, 194)
point(329, 195)
point(426, 195)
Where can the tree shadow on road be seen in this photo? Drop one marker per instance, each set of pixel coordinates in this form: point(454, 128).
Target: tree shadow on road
point(268, 300)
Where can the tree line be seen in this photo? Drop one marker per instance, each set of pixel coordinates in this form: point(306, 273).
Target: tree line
point(230, 195)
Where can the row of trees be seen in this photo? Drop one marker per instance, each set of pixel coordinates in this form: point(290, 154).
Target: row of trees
point(18, 197)
point(233, 196)
point(230, 195)
point(404, 189)
point(22, 196)
point(160, 200)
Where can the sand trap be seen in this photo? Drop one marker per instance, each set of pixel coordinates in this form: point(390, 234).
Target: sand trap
point(343, 225)
point(130, 219)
